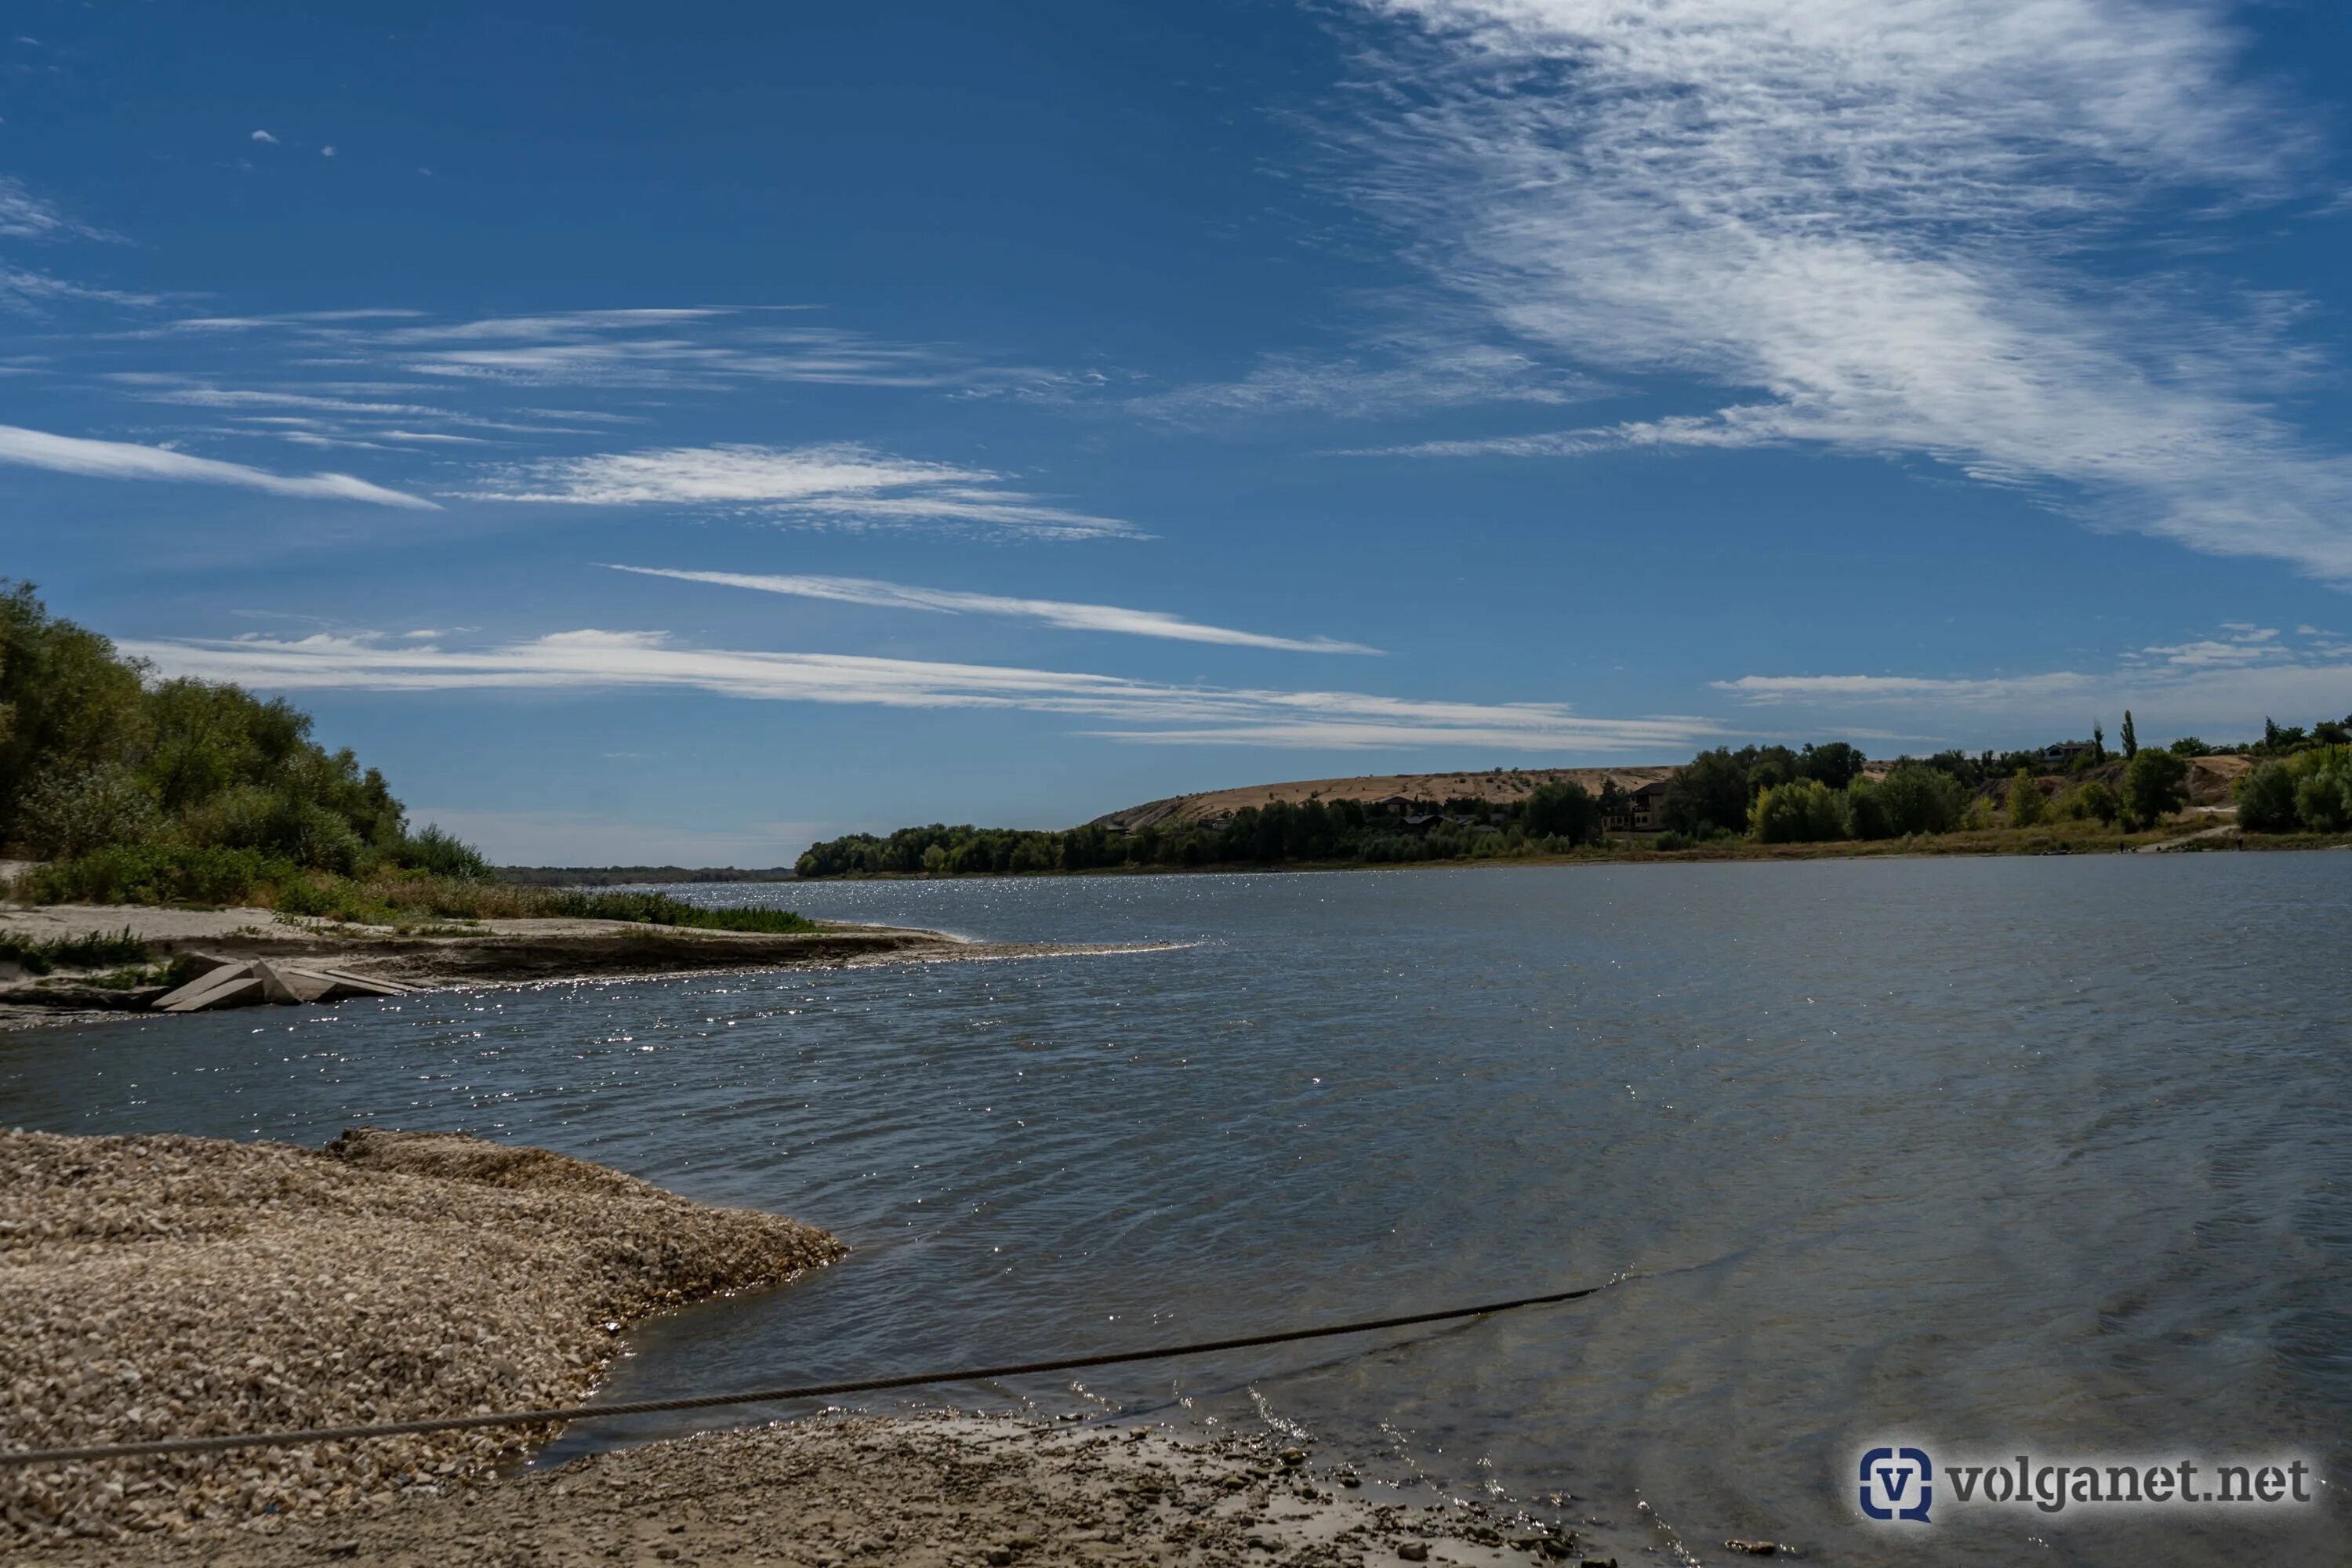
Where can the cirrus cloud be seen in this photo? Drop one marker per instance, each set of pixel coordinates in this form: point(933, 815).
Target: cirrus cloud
point(1890, 227)
point(128, 460)
point(848, 483)
point(1147, 711)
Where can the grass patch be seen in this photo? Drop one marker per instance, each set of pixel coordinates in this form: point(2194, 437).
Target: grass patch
point(416, 903)
point(40, 957)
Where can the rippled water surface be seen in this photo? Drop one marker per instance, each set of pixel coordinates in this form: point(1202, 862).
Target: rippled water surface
point(2042, 1156)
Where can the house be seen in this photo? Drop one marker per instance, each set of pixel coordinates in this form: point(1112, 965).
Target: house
point(1641, 812)
point(2060, 758)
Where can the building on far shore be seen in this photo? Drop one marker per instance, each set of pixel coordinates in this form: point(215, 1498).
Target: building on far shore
point(2061, 758)
point(1644, 804)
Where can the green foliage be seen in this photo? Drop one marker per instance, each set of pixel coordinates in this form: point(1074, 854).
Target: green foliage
point(1916, 798)
point(2156, 785)
point(70, 813)
point(160, 791)
point(1708, 794)
point(2311, 790)
point(1563, 810)
point(162, 873)
point(2130, 737)
point(2026, 802)
point(2190, 746)
point(1836, 765)
point(37, 956)
point(1803, 812)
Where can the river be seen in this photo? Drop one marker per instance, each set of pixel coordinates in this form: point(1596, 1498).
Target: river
point(2001, 1156)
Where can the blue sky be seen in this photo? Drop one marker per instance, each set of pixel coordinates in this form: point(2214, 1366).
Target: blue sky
point(677, 432)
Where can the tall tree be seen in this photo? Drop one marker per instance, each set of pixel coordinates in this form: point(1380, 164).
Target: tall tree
point(2130, 738)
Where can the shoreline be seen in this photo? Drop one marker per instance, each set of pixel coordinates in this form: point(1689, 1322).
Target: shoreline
point(451, 954)
point(394, 1276)
point(1996, 844)
point(940, 1490)
point(160, 1286)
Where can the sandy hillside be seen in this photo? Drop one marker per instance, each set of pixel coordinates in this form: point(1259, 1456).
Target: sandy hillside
point(1503, 785)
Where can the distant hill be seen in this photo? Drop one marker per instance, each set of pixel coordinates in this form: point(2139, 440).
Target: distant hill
point(1501, 784)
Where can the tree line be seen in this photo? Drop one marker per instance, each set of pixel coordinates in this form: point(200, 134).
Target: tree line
point(1769, 794)
point(137, 789)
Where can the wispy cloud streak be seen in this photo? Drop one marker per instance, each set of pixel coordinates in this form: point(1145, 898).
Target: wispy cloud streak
point(1870, 221)
point(1147, 711)
point(1058, 613)
point(845, 482)
point(128, 460)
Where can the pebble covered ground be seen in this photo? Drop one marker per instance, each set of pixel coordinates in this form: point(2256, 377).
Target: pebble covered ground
point(164, 1286)
point(944, 1491)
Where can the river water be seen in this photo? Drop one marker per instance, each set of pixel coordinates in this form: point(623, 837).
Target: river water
point(2004, 1156)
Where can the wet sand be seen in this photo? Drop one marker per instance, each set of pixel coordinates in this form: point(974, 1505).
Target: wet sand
point(945, 1491)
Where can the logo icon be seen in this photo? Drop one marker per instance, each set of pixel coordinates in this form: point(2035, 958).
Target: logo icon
point(1897, 1483)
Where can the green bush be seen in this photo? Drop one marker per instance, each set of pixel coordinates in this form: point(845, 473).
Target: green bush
point(2027, 804)
point(162, 873)
point(37, 956)
point(2156, 785)
point(1912, 798)
point(1808, 812)
point(2311, 790)
point(65, 815)
point(2266, 799)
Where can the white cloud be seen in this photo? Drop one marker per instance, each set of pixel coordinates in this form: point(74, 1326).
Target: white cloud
point(326, 151)
point(1870, 219)
point(2223, 686)
point(24, 215)
point(848, 482)
point(1150, 712)
point(265, 137)
point(1050, 612)
point(1394, 377)
point(127, 460)
point(27, 288)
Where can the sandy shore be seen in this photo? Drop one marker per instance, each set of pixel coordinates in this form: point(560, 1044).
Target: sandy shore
point(951, 1491)
point(166, 1286)
point(469, 952)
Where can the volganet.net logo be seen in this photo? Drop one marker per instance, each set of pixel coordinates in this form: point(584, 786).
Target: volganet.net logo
point(1900, 1483)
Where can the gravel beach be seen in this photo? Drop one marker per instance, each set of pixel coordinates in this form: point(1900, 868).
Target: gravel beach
point(945, 1491)
point(167, 1286)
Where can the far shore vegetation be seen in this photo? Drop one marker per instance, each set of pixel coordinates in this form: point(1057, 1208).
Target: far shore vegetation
point(1758, 802)
point(128, 789)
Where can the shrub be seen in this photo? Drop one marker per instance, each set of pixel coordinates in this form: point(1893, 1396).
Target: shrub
point(1805, 813)
point(1912, 798)
point(37, 956)
point(2026, 801)
point(65, 814)
point(2266, 801)
point(2156, 785)
point(2097, 800)
point(163, 873)
point(442, 854)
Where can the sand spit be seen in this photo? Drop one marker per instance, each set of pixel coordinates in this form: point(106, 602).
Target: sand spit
point(471, 952)
point(164, 1286)
point(945, 1491)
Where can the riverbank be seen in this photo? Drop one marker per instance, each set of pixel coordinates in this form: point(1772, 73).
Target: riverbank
point(164, 1286)
point(167, 1286)
point(432, 955)
point(938, 1491)
point(2194, 833)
